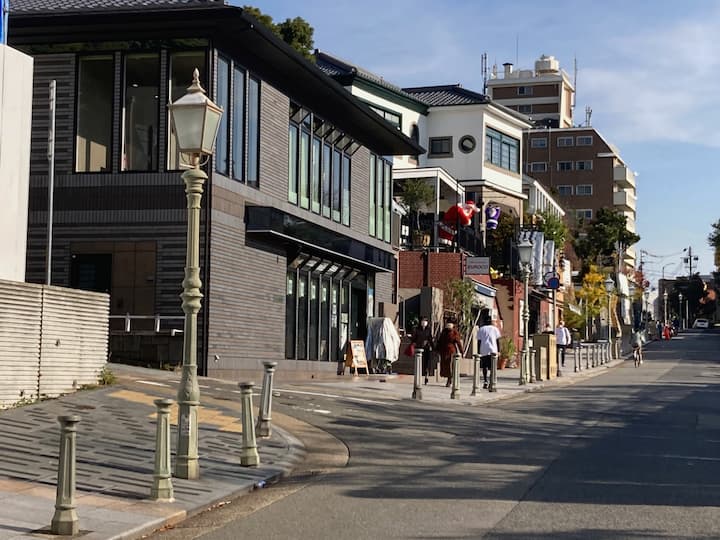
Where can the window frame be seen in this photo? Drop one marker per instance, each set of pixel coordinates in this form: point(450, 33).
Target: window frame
point(534, 144)
point(584, 166)
point(448, 139)
point(524, 90)
point(525, 108)
point(565, 187)
point(587, 192)
point(113, 107)
point(565, 142)
point(380, 198)
point(496, 144)
point(532, 168)
point(470, 139)
point(585, 211)
point(569, 165)
point(587, 138)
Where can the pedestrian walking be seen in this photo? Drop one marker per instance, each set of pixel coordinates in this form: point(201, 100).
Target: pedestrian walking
point(666, 332)
point(636, 342)
point(488, 337)
point(563, 339)
point(659, 330)
point(448, 344)
point(422, 339)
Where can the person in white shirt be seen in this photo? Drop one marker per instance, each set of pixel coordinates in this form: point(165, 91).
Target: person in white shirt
point(488, 337)
point(562, 340)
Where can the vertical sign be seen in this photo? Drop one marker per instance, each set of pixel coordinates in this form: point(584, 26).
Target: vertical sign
point(4, 7)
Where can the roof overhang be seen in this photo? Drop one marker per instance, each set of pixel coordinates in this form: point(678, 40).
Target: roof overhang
point(236, 33)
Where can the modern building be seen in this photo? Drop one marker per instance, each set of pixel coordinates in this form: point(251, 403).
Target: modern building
point(295, 244)
point(546, 94)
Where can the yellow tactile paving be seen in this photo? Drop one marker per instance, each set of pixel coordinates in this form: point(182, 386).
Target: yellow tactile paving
point(205, 415)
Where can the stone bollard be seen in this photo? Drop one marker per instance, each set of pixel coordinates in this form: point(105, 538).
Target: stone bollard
point(65, 520)
point(455, 392)
point(263, 428)
point(476, 374)
point(162, 488)
point(417, 374)
point(586, 352)
point(249, 456)
point(493, 373)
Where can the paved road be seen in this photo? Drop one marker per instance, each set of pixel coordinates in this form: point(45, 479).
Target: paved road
point(633, 453)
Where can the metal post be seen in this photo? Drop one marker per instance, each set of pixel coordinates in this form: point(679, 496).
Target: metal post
point(65, 520)
point(417, 374)
point(476, 374)
point(263, 428)
point(187, 461)
point(577, 366)
point(586, 349)
point(162, 488)
point(525, 317)
point(248, 452)
point(455, 392)
point(51, 184)
point(493, 373)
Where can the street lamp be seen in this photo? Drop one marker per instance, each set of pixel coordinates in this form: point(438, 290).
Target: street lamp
point(680, 308)
point(195, 121)
point(609, 286)
point(525, 249)
point(665, 297)
point(631, 290)
point(646, 294)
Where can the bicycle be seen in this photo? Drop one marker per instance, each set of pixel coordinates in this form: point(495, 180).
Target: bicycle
point(637, 356)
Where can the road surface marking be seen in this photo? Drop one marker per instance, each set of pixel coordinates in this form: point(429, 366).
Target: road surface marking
point(320, 394)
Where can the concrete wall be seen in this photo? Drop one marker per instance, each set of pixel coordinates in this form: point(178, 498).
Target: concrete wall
point(16, 76)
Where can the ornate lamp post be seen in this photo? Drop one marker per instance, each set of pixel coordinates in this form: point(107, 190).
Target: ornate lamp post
point(680, 308)
point(195, 120)
point(665, 297)
point(525, 249)
point(646, 294)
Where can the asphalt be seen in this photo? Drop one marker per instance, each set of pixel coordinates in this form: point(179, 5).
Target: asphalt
point(116, 439)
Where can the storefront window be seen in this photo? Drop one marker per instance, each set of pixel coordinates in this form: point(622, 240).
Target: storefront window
point(290, 311)
point(94, 114)
point(140, 127)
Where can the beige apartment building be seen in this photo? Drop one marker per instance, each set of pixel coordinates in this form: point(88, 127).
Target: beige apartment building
point(575, 163)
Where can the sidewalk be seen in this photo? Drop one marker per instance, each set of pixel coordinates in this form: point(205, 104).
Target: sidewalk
point(115, 456)
point(369, 388)
point(116, 440)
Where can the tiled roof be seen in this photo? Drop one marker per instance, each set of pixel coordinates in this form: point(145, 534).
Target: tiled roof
point(445, 95)
point(69, 6)
point(336, 67)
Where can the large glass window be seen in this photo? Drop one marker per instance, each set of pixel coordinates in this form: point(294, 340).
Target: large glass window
point(253, 133)
point(313, 323)
point(290, 312)
point(304, 172)
point(380, 198)
point(345, 188)
point(182, 65)
point(315, 182)
point(238, 123)
point(336, 174)
point(326, 167)
point(141, 113)
point(302, 316)
point(502, 150)
point(222, 99)
point(292, 164)
point(93, 139)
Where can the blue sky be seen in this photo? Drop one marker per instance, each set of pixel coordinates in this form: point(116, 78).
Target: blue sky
point(649, 69)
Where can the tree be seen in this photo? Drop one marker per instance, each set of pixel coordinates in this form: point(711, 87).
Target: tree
point(553, 227)
point(295, 32)
point(416, 195)
point(601, 236)
point(460, 298)
point(592, 296)
point(714, 237)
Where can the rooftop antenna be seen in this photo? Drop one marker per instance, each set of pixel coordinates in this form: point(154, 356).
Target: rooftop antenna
point(484, 69)
point(588, 115)
point(575, 70)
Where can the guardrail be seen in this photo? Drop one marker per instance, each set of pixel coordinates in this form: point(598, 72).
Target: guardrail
point(157, 318)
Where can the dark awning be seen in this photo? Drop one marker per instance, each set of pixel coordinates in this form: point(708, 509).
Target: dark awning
point(293, 231)
point(231, 30)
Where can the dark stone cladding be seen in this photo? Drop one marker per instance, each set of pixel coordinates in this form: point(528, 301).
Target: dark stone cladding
point(66, 6)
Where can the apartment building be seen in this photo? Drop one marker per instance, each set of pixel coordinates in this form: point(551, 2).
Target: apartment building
point(291, 262)
point(546, 94)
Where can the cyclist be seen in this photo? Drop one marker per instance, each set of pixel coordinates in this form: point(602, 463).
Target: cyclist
point(636, 340)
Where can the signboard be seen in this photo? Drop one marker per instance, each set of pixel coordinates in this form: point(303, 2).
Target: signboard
point(477, 265)
point(355, 355)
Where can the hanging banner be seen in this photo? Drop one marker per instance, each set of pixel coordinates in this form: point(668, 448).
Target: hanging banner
point(538, 241)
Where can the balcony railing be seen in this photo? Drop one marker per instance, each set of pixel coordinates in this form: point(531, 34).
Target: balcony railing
point(623, 177)
point(625, 200)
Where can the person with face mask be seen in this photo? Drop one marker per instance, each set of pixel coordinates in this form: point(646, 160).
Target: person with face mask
point(422, 339)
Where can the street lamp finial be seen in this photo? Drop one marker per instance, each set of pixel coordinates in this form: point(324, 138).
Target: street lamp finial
point(195, 86)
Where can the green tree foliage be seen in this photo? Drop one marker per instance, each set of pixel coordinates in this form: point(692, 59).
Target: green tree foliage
point(714, 237)
point(295, 32)
point(416, 195)
point(601, 236)
point(553, 227)
point(460, 298)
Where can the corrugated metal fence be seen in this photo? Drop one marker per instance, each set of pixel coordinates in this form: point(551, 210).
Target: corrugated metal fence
point(52, 340)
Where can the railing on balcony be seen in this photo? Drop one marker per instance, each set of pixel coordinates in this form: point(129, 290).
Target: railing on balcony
point(623, 177)
point(624, 199)
point(157, 320)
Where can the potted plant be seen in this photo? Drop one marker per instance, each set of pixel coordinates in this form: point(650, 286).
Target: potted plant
point(506, 351)
point(417, 195)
